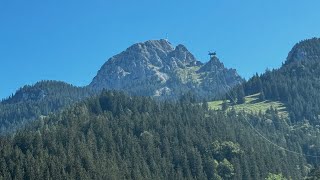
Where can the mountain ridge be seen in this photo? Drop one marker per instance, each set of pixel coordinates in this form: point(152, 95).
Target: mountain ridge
point(156, 68)
point(308, 49)
point(295, 83)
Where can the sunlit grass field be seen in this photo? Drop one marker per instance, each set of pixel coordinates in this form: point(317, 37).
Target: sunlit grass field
point(252, 105)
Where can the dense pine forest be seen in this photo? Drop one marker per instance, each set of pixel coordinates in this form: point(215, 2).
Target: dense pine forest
point(41, 99)
point(296, 83)
point(115, 136)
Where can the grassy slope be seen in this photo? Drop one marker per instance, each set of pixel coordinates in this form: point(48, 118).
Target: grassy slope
point(189, 74)
point(253, 105)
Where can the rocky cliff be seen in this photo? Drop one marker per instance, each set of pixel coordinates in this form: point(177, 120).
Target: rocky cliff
point(156, 68)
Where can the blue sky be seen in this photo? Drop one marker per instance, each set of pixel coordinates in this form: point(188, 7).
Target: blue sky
point(70, 40)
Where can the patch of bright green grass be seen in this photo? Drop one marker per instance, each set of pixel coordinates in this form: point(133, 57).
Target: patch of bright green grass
point(252, 105)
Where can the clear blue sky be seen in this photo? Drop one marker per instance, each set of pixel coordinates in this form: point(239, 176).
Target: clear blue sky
point(69, 40)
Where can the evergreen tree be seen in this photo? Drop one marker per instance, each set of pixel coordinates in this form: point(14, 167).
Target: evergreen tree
point(240, 95)
point(261, 96)
point(224, 105)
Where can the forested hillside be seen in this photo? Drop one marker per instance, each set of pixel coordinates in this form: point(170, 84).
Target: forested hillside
point(114, 136)
point(32, 102)
point(296, 83)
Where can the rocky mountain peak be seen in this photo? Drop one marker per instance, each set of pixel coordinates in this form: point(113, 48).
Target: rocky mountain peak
point(213, 64)
point(159, 45)
point(182, 56)
point(181, 47)
point(156, 68)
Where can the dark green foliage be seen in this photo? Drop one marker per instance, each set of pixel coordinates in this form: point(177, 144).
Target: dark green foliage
point(114, 136)
point(314, 174)
point(225, 105)
point(41, 99)
point(232, 96)
point(226, 150)
point(236, 95)
point(225, 169)
point(240, 95)
point(262, 96)
point(296, 83)
point(205, 105)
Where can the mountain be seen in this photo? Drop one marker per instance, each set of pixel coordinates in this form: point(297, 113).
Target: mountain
point(153, 68)
point(33, 101)
point(306, 50)
point(156, 68)
point(296, 83)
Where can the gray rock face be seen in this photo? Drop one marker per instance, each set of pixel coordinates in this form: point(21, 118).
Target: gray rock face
point(156, 68)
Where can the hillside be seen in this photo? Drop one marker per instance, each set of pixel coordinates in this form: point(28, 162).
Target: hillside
point(296, 83)
point(32, 101)
point(252, 105)
point(114, 136)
